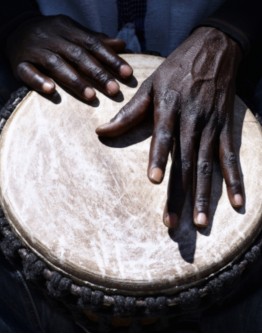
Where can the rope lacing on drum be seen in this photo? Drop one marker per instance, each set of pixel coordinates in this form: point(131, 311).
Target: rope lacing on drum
point(35, 269)
point(33, 266)
point(15, 99)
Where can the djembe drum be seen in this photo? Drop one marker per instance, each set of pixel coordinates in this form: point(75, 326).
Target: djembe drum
point(82, 218)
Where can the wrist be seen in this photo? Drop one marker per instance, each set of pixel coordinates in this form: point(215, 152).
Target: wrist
point(14, 24)
point(215, 37)
point(230, 30)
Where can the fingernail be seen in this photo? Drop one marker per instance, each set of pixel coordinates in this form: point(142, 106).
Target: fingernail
point(126, 70)
point(156, 175)
point(89, 93)
point(48, 87)
point(112, 87)
point(238, 200)
point(171, 220)
point(201, 220)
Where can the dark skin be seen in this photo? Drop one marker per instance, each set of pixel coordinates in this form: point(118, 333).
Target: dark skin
point(192, 94)
point(58, 48)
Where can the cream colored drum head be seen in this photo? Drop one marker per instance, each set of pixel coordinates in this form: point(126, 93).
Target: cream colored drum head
point(88, 209)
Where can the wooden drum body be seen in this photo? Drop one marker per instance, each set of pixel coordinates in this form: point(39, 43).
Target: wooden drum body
point(86, 209)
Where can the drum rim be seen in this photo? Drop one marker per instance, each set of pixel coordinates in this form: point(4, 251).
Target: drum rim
point(35, 269)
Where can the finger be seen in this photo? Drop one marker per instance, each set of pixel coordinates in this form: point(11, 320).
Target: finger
point(77, 34)
point(66, 75)
point(118, 65)
point(165, 111)
point(105, 54)
point(118, 45)
point(130, 115)
point(230, 168)
point(181, 174)
point(89, 66)
point(31, 76)
point(204, 176)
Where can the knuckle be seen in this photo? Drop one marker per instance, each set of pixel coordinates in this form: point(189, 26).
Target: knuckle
point(170, 95)
point(93, 44)
point(100, 76)
point(75, 81)
point(75, 53)
point(40, 34)
point(204, 168)
point(21, 69)
point(167, 97)
point(52, 61)
point(235, 186)
point(163, 135)
point(186, 165)
point(201, 203)
point(230, 159)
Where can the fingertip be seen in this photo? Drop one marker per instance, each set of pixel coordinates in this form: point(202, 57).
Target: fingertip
point(126, 71)
point(48, 87)
point(89, 93)
point(112, 87)
point(110, 130)
point(200, 220)
point(170, 220)
point(156, 175)
point(101, 129)
point(237, 201)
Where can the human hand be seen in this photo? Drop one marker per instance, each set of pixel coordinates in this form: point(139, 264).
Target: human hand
point(56, 47)
point(192, 93)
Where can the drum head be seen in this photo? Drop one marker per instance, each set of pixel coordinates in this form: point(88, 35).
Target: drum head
point(87, 208)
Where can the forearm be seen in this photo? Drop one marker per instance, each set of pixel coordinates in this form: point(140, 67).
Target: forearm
point(240, 19)
point(13, 13)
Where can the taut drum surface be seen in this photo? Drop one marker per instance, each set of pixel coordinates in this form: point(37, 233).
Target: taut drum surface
point(86, 208)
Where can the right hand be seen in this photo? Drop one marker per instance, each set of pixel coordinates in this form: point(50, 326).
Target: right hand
point(191, 95)
point(57, 48)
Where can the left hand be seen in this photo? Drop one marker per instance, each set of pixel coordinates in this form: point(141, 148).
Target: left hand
point(193, 94)
point(47, 49)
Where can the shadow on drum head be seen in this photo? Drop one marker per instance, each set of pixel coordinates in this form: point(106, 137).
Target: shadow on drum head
point(185, 235)
point(54, 98)
point(119, 97)
point(132, 82)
